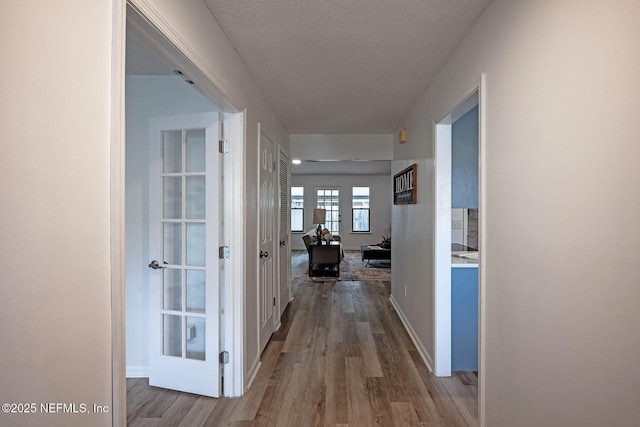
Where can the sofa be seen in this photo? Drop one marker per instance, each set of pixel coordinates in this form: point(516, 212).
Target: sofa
point(375, 252)
point(324, 259)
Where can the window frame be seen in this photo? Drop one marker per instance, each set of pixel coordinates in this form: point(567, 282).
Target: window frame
point(360, 209)
point(296, 199)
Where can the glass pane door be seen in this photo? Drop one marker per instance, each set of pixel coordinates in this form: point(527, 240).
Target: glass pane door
point(184, 250)
point(329, 200)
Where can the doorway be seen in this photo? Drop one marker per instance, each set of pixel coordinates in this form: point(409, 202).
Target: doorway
point(443, 251)
point(180, 89)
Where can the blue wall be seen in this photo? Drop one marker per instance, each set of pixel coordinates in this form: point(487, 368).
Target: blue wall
point(464, 319)
point(464, 161)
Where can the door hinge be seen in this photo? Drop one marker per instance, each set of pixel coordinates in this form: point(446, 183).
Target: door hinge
point(224, 357)
point(223, 252)
point(274, 301)
point(223, 146)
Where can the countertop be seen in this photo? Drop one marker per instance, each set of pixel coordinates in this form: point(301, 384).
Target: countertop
point(464, 259)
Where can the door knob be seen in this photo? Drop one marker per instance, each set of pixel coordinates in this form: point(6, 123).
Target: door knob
point(156, 265)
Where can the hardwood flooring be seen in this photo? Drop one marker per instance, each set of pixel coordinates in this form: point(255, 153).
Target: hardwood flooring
point(341, 358)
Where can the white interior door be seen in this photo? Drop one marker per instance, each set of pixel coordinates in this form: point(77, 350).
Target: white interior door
point(267, 215)
point(184, 276)
point(284, 256)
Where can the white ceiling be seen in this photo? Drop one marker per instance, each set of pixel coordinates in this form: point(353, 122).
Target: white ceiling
point(344, 66)
point(342, 167)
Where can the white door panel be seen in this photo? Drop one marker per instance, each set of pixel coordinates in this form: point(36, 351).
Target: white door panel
point(267, 215)
point(184, 227)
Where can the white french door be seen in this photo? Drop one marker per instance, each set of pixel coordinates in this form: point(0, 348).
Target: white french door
point(184, 234)
point(329, 200)
point(266, 224)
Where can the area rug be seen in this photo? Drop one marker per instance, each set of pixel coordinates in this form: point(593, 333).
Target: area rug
point(352, 268)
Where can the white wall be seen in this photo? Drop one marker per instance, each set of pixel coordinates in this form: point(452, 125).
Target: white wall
point(380, 199)
point(146, 97)
point(197, 28)
point(342, 147)
point(561, 167)
point(55, 303)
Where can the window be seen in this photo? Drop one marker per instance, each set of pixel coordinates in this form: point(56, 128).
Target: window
point(360, 209)
point(297, 208)
point(329, 199)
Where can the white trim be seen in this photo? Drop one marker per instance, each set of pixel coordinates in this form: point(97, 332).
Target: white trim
point(257, 247)
point(442, 251)
point(234, 128)
point(424, 354)
point(474, 95)
point(138, 371)
point(117, 215)
point(482, 227)
point(175, 51)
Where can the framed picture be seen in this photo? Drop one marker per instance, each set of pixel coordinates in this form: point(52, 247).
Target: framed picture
point(405, 185)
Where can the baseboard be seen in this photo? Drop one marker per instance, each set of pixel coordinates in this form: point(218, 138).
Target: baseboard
point(424, 355)
point(137, 372)
point(252, 374)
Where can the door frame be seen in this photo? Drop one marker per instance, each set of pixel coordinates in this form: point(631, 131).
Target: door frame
point(175, 52)
point(442, 241)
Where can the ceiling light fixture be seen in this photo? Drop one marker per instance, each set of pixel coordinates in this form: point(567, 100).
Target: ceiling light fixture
point(296, 161)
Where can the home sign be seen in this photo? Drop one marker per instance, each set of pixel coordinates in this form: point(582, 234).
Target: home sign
point(405, 186)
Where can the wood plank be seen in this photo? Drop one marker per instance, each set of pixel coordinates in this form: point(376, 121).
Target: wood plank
point(342, 357)
point(180, 408)
point(379, 402)
point(290, 397)
point(368, 350)
point(199, 412)
point(447, 409)
point(248, 407)
point(462, 400)
point(336, 411)
point(358, 403)
point(222, 412)
point(403, 414)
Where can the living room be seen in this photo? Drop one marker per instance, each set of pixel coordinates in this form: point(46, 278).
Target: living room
point(343, 162)
point(344, 177)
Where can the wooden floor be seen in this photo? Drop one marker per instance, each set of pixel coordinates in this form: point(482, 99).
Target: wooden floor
point(341, 358)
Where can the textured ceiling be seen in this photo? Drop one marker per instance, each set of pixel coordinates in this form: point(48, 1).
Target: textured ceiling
point(342, 167)
point(344, 66)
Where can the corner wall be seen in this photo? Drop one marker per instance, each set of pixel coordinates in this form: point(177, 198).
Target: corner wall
point(560, 138)
point(55, 271)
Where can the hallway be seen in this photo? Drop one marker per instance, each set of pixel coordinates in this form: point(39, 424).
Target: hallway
point(341, 357)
